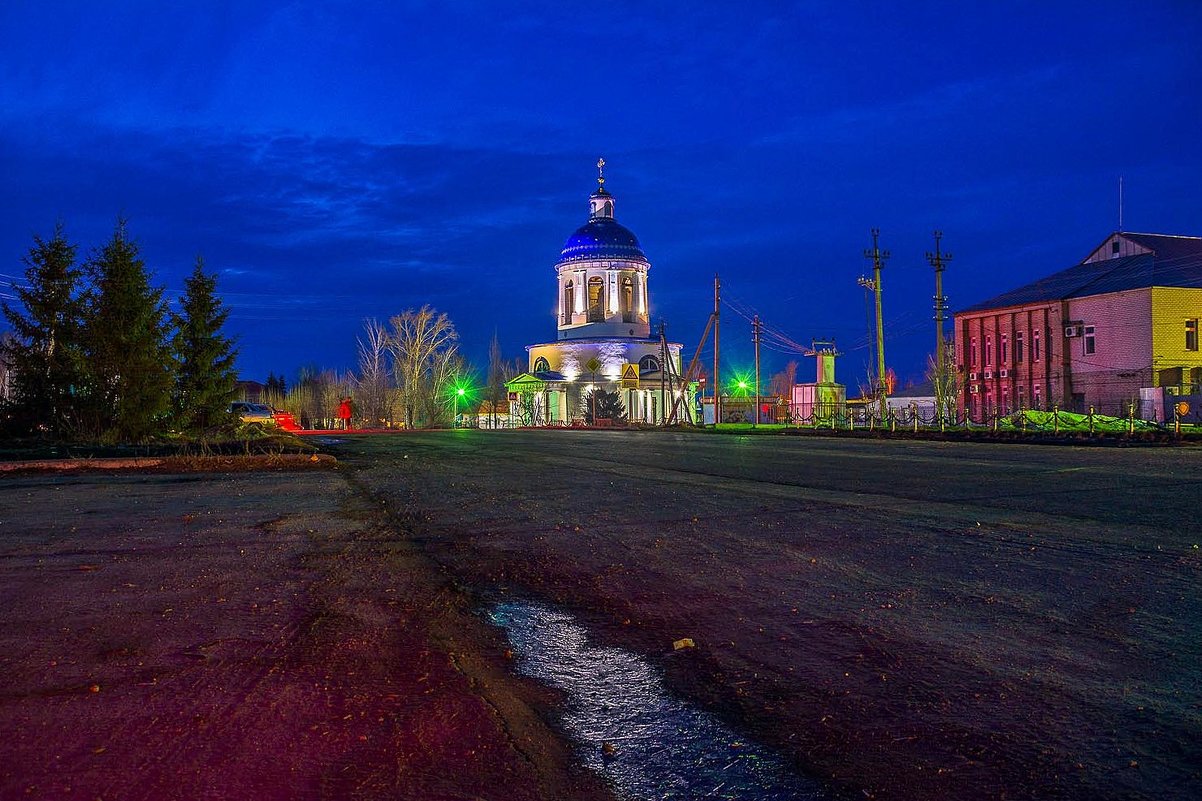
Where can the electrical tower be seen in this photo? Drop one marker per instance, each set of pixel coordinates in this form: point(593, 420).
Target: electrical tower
point(755, 336)
point(939, 261)
point(878, 257)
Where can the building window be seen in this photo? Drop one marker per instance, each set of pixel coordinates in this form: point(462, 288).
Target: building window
point(974, 352)
point(988, 351)
point(596, 311)
point(627, 299)
point(1035, 346)
point(1022, 397)
point(1005, 350)
point(1037, 397)
point(1018, 347)
point(1191, 334)
point(541, 365)
point(1114, 247)
point(648, 364)
point(569, 298)
point(1089, 340)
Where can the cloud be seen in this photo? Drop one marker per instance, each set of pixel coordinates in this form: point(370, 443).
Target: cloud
point(342, 227)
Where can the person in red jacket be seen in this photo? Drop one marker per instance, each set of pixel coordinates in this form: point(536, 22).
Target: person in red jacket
point(344, 413)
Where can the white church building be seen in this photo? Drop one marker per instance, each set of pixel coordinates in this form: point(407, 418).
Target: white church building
point(604, 331)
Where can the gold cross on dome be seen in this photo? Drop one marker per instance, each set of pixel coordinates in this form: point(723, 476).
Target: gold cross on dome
point(601, 173)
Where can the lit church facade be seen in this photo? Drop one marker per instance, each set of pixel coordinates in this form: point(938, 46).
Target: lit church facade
point(604, 330)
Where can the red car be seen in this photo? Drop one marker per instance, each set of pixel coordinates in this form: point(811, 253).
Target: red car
point(284, 420)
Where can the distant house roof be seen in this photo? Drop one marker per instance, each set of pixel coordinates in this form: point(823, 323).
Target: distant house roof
point(501, 407)
point(1173, 261)
point(924, 390)
point(537, 377)
point(251, 390)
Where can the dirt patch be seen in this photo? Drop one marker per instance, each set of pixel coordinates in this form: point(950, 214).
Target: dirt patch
point(172, 464)
point(247, 635)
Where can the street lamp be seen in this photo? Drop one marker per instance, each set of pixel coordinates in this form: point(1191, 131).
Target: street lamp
point(459, 393)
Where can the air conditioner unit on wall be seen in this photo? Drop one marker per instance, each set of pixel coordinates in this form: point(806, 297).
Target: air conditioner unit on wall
point(988, 374)
point(1072, 331)
point(1004, 373)
point(973, 389)
point(972, 376)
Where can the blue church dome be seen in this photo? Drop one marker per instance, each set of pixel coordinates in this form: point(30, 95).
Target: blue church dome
point(602, 238)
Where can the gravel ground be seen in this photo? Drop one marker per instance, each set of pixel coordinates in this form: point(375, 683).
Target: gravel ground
point(248, 635)
point(904, 620)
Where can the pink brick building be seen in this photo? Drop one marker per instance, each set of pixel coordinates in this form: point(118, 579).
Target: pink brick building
point(1093, 335)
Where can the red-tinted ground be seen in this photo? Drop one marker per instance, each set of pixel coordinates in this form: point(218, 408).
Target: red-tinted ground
point(249, 635)
point(905, 620)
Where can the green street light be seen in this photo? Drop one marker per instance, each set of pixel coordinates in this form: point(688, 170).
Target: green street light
point(461, 388)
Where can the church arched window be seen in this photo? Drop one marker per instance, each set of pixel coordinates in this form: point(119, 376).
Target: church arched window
point(648, 364)
point(627, 302)
point(596, 310)
point(569, 299)
point(541, 365)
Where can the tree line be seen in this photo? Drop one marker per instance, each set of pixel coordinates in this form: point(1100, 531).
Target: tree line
point(95, 354)
point(408, 373)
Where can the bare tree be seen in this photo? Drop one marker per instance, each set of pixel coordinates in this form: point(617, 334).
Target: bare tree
point(314, 396)
point(500, 370)
point(425, 349)
point(945, 381)
point(781, 384)
point(373, 394)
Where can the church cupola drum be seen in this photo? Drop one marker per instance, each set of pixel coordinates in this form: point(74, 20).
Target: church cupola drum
point(602, 275)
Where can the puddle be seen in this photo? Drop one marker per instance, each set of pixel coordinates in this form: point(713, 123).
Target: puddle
point(665, 748)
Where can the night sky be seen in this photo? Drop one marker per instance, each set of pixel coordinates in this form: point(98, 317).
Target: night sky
point(339, 161)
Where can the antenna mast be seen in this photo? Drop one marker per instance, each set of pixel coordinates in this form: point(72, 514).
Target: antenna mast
point(1120, 204)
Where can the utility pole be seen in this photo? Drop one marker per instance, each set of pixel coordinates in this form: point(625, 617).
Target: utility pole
point(692, 373)
point(878, 256)
point(867, 284)
point(663, 372)
point(939, 261)
point(941, 374)
point(717, 382)
point(755, 336)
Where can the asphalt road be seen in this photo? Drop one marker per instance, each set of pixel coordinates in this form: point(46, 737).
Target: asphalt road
point(901, 619)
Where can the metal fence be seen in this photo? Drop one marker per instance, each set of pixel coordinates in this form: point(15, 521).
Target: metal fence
point(916, 418)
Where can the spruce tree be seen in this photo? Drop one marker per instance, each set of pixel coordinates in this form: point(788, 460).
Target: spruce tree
point(125, 338)
point(205, 381)
point(44, 355)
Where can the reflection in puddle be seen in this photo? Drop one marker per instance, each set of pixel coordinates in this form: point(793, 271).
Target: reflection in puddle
point(663, 748)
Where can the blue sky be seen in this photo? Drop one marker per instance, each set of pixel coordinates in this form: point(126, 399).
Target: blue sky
point(337, 161)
